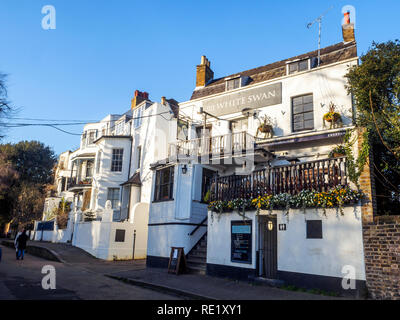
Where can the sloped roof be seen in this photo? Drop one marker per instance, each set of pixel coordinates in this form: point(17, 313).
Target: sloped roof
point(134, 180)
point(174, 105)
point(332, 54)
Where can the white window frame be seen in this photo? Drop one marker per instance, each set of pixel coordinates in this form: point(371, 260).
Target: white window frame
point(297, 62)
point(228, 80)
point(113, 164)
point(115, 202)
point(119, 128)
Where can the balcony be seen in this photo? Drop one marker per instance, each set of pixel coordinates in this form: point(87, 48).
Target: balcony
point(318, 175)
point(79, 183)
point(229, 144)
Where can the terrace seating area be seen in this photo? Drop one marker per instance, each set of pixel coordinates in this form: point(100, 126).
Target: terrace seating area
point(320, 175)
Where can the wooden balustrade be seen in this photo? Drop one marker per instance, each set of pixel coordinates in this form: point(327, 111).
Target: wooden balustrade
point(320, 175)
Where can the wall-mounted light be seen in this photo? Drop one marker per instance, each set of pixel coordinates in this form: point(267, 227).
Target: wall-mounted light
point(184, 169)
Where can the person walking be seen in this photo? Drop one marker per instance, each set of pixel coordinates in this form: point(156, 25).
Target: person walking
point(16, 244)
point(21, 241)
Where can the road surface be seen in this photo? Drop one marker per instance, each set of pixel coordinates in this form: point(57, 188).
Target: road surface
point(22, 279)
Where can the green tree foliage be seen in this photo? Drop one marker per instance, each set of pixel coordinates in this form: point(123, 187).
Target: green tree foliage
point(26, 169)
point(375, 85)
point(32, 160)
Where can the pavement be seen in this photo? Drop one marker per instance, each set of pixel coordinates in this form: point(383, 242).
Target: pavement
point(205, 287)
point(134, 274)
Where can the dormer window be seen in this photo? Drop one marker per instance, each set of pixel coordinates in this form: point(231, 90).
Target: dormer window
point(92, 135)
point(232, 84)
point(119, 128)
point(298, 66)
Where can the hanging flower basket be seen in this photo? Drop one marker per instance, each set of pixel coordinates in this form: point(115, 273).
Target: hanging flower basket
point(265, 128)
point(338, 151)
point(332, 117)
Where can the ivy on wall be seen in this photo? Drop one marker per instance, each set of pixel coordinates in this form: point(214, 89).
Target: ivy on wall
point(356, 166)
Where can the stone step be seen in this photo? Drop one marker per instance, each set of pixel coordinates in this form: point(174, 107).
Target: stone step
point(196, 270)
point(196, 264)
point(196, 259)
point(198, 254)
point(199, 251)
point(201, 246)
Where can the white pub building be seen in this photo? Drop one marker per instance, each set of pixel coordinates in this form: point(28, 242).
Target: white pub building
point(268, 131)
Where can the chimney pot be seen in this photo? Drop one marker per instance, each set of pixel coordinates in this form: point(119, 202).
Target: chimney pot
point(348, 28)
point(347, 17)
point(163, 100)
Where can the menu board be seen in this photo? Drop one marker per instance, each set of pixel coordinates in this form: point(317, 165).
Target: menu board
point(177, 261)
point(241, 241)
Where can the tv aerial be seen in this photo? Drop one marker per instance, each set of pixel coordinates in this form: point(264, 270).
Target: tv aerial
point(319, 20)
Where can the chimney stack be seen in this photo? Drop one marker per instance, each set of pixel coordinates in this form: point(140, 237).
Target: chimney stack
point(204, 72)
point(348, 28)
point(138, 98)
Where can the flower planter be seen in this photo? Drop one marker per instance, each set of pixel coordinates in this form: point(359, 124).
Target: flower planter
point(266, 129)
point(338, 155)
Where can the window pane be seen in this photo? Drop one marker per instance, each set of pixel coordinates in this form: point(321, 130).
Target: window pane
point(308, 99)
point(293, 67)
point(309, 124)
point(303, 113)
point(113, 196)
point(297, 109)
point(298, 126)
point(164, 184)
point(116, 163)
point(298, 118)
point(303, 65)
point(308, 107)
point(297, 101)
point(308, 116)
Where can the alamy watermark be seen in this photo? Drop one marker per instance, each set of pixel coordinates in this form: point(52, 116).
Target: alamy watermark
point(349, 279)
point(49, 280)
point(49, 20)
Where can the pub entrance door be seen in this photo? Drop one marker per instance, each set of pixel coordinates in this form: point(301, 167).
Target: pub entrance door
point(268, 247)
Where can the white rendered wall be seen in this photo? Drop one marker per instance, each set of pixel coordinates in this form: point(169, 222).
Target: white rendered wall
point(163, 237)
point(140, 219)
point(341, 244)
point(219, 239)
point(98, 239)
point(105, 178)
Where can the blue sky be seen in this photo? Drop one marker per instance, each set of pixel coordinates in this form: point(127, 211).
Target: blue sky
point(102, 51)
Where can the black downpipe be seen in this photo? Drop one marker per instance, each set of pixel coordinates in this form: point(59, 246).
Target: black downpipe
point(129, 193)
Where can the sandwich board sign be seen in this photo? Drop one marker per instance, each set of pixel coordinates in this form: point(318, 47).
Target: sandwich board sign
point(177, 260)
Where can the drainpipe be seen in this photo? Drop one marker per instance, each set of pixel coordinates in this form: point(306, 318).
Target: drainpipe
point(130, 187)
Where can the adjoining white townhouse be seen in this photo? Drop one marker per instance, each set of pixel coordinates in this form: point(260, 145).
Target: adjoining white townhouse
point(108, 180)
point(251, 144)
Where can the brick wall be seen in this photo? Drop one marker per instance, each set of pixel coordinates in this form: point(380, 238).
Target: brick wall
point(381, 240)
point(382, 257)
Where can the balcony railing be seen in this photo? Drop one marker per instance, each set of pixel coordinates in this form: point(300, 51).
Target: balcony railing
point(76, 182)
point(225, 144)
point(318, 175)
